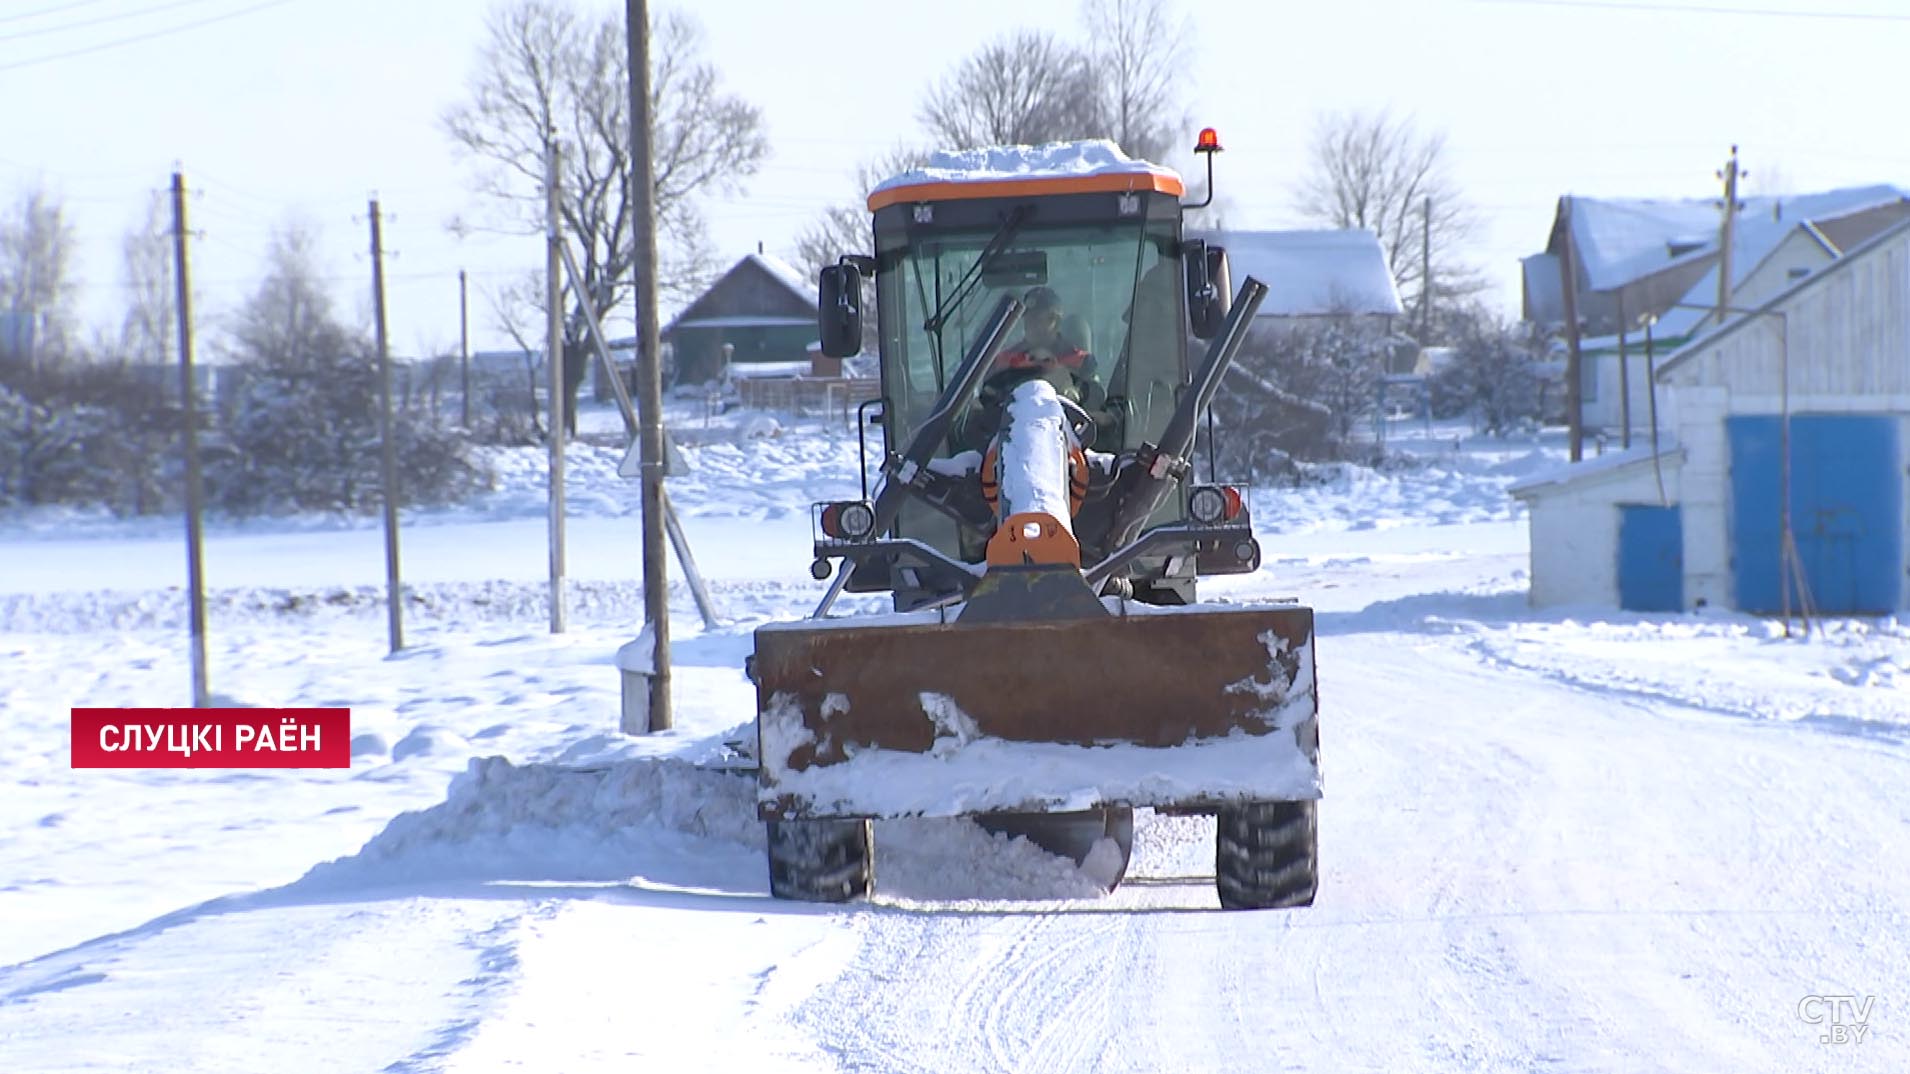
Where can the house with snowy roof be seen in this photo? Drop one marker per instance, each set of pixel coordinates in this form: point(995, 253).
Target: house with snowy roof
point(1314, 274)
point(1777, 479)
point(761, 313)
point(1636, 261)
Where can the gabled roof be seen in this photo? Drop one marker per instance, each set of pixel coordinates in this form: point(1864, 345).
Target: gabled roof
point(1689, 350)
point(1621, 239)
point(1755, 245)
point(1312, 273)
point(788, 300)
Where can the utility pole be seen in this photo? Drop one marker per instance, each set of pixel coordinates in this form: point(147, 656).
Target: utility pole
point(464, 350)
point(1425, 271)
point(656, 578)
point(1624, 373)
point(1728, 230)
point(394, 588)
point(1568, 282)
point(554, 366)
point(195, 485)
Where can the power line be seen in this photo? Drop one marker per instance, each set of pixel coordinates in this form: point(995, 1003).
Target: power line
point(138, 38)
point(1693, 9)
point(100, 20)
point(56, 9)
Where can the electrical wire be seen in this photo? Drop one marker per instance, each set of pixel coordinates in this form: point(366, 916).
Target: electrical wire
point(138, 38)
point(100, 20)
point(1694, 9)
point(56, 9)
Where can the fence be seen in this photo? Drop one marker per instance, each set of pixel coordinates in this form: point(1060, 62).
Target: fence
point(831, 397)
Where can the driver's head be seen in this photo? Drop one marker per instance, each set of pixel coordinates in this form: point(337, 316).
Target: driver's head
point(1041, 313)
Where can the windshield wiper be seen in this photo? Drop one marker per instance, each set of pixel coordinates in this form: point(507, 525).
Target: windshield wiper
point(972, 278)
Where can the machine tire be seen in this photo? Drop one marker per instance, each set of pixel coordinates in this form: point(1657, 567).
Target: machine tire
point(821, 860)
point(1266, 855)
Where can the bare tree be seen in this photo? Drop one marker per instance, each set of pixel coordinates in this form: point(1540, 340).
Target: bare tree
point(546, 71)
point(1143, 53)
point(1370, 170)
point(36, 285)
point(1025, 88)
point(146, 265)
point(302, 429)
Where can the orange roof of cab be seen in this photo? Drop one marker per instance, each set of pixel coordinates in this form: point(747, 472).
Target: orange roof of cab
point(1109, 182)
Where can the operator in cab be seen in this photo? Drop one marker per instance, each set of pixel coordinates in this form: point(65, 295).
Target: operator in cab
point(1044, 351)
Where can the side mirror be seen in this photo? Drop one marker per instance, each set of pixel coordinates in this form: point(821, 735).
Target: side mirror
point(839, 310)
point(1210, 287)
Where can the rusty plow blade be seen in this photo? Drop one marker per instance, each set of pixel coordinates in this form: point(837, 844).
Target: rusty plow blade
point(926, 714)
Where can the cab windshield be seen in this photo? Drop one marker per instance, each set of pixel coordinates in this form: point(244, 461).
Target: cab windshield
point(1109, 294)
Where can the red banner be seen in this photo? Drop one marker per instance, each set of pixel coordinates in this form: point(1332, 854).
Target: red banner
point(211, 738)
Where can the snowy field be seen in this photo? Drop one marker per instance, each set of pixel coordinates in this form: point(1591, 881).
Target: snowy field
point(1570, 840)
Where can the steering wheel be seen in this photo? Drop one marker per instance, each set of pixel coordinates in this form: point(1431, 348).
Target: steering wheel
point(1079, 422)
point(1003, 383)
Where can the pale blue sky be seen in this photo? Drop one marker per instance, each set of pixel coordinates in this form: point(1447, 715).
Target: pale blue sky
point(306, 106)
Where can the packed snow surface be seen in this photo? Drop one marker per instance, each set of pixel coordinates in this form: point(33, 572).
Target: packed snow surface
point(1572, 840)
point(1055, 160)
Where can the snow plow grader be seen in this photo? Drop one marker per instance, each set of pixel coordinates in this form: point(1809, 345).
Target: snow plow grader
point(1047, 667)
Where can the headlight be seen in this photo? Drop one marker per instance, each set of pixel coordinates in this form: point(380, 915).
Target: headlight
point(850, 521)
point(1210, 505)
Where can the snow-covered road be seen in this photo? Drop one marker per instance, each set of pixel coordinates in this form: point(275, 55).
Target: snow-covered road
point(1585, 841)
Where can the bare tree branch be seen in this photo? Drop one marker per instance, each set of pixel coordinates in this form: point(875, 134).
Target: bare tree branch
point(36, 266)
point(545, 71)
point(1143, 52)
point(1370, 170)
point(147, 332)
point(1025, 88)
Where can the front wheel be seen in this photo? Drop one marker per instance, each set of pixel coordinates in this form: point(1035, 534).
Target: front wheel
point(1266, 855)
point(821, 860)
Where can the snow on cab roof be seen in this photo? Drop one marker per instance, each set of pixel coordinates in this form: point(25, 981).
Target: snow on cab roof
point(1092, 165)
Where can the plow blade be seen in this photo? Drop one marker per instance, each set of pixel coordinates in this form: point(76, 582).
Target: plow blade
point(921, 714)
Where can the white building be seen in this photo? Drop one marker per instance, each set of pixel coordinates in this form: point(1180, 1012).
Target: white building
point(1821, 368)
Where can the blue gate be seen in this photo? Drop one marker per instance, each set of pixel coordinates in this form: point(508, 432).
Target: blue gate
point(1651, 558)
point(1846, 511)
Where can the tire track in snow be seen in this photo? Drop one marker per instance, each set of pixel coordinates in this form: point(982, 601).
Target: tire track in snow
point(1530, 878)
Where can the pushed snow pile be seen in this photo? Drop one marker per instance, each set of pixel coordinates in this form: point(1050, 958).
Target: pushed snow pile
point(991, 164)
point(953, 859)
point(628, 818)
point(552, 822)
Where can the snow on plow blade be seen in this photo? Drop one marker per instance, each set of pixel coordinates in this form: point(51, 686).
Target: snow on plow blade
point(917, 715)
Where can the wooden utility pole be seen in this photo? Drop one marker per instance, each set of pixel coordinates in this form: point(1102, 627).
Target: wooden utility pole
point(656, 576)
point(1727, 231)
point(1568, 282)
point(1425, 270)
point(394, 587)
point(464, 350)
point(554, 366)
point(1624, 374)
point(195, 485)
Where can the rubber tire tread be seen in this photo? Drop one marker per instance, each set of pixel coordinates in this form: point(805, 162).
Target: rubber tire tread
point(1266, 855)
point(821, 860)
